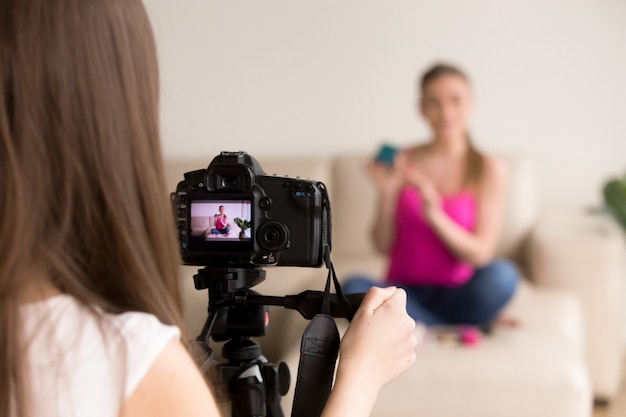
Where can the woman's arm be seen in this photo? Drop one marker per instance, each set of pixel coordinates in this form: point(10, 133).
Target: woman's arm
point(388, 181)
point(477, 247)
point(378, 346)
point(383, 229)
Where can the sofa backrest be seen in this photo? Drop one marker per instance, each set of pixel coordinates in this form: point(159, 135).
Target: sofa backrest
point(521, 208)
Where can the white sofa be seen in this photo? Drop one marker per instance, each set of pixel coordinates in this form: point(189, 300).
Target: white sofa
point(567, 351)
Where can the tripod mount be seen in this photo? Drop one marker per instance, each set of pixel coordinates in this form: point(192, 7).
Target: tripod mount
point(235, 314)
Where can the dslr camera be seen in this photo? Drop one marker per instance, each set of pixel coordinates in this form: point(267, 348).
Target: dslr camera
point(232, 214)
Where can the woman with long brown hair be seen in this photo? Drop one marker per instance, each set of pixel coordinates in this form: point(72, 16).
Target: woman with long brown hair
point(439, 213)
point(90, 310)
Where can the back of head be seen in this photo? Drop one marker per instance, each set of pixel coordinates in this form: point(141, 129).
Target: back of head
point(83, 199)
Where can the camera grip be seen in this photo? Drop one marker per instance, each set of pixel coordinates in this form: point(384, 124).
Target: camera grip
point(309, 303)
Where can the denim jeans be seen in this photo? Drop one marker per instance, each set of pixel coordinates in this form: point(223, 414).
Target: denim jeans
point(477, 302)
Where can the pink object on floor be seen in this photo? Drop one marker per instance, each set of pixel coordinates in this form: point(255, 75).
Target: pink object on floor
point(470, 336)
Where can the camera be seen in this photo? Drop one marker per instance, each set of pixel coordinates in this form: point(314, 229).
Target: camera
point(232, 214)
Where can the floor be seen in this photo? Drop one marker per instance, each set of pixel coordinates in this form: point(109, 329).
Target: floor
point(617, 407)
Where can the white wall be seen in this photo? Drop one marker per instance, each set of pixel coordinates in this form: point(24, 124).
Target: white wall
point(333, 76)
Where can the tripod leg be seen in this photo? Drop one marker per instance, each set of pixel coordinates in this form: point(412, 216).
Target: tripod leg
point(249, 393)
point(277, 382)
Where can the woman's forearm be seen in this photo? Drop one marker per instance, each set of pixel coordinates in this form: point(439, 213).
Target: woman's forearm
point(475, 249)
point(383, 230)
point(350, 398)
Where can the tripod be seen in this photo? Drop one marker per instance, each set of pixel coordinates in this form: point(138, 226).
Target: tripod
point(237, 313)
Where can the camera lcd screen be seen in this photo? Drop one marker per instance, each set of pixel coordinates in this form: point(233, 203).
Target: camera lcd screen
point(221, 224)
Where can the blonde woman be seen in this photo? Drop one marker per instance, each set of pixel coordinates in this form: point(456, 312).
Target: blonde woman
point(444, 199)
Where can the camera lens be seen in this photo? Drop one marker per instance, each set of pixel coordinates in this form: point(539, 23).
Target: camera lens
point(273, 236)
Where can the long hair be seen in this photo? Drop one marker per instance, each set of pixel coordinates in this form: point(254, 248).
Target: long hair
point(475, 159)
point(83, 195)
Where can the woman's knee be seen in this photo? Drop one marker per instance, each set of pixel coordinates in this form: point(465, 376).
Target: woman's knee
point(503, 277)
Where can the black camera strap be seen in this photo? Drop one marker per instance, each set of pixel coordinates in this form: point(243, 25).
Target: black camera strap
point(318, 355)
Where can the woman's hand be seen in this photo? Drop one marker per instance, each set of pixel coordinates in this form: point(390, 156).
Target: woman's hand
point(378, 346)
point(387, 179)
point(431, 198)
point(380, 343)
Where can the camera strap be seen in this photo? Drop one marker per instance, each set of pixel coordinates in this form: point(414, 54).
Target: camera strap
point(318, 355)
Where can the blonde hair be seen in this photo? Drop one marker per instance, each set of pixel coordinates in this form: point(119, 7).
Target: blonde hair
point(475, 159)
point(83, 195)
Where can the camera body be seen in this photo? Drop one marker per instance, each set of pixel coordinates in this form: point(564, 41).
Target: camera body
point(288, 218)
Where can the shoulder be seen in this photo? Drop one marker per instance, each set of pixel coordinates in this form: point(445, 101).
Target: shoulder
point(418, 150)
point(416, 154)
point(162, 379)
point(173, 386)
point(494, 175)
point(494, 167)
point(99, 359)
point(141, 337)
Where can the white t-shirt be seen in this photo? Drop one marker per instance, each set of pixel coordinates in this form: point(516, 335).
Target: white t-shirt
point(85, 366)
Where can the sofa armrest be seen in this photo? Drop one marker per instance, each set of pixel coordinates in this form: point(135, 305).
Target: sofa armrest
point(585, 255)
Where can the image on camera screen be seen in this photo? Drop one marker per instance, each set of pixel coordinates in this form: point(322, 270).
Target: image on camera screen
point(221, 220)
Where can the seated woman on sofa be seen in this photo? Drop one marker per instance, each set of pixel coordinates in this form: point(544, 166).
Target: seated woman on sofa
point(221, 223)
point(439, 213)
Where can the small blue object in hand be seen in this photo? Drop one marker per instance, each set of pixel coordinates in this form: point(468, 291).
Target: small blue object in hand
point(386, 154)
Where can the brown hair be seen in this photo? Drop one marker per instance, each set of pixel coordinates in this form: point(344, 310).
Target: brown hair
point(475, 159)
point(83, 196)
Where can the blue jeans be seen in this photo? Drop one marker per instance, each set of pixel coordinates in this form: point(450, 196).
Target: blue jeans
point(477, 302)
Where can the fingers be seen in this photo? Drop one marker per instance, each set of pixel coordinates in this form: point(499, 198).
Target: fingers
point(376, 297)
point(401, 160)
point(416, 178)
point(397, 299)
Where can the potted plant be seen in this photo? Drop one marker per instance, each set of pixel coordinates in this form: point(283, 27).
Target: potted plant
point(243, 225)
point(614, 192)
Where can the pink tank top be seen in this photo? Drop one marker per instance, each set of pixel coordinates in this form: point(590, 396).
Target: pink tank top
point(418, 256)
point(220, 224)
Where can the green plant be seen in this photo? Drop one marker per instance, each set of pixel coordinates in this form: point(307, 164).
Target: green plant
point(243, 224)
point(614, 192)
